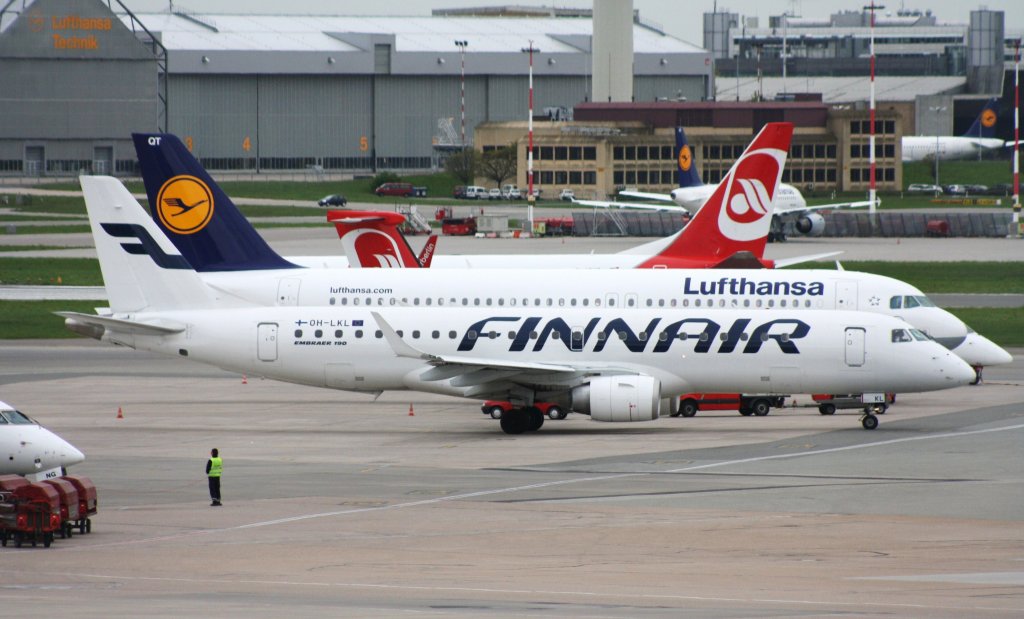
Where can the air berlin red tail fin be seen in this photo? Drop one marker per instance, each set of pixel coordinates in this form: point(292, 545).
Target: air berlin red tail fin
point(371, 239)
point(738, 215)
point(427, 253)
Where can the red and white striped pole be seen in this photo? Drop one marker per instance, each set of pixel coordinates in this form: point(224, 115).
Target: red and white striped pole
point(1015, 223)
point(462, 88)
point(529, 150)
point(871, 144)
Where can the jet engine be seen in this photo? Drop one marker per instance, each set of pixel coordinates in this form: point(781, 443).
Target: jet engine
point(811, 224)
point(619, 398)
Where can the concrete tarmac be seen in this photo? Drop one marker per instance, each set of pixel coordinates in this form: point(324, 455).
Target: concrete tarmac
point(338, 504)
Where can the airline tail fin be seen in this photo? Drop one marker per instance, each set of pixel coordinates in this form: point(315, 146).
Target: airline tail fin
point(202, 222)
point(984, 125)
point(371, 239)
point(427, 253)
point(738, 215)
point(142, 270)
point(686, 170)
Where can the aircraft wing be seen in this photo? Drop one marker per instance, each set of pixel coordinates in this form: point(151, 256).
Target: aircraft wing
point(788, 262)
point(637, 205)
point(643, 195)
point(825, 207)
point(485, 377)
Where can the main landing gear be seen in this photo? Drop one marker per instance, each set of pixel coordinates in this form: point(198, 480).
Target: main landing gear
point(519, 420)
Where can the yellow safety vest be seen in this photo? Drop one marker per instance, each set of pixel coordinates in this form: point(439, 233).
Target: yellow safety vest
point(216, 466)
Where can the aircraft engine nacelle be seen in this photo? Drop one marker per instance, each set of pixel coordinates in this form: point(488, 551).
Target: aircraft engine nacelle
point(619, 398)
point(811, 224)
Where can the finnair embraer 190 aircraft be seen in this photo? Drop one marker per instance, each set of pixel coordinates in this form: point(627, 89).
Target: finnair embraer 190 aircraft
point(585, 346)
point(730, 229)
point(29, 449)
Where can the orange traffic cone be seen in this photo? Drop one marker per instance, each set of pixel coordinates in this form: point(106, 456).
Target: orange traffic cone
point(244, 380)
point(120, 415)
point(411, 414)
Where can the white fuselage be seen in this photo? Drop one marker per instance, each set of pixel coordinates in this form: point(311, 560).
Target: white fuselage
point(921, 147)
point(622, 289)
point(686, 350)
point(786, 198)
point(27, 448)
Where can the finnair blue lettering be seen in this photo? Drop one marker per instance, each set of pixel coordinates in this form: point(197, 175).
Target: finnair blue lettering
point(703, 332)
point(741, 286)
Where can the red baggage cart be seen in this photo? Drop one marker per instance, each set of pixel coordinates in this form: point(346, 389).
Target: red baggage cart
point(34, 515)
point(87, 501)
point(68, 504)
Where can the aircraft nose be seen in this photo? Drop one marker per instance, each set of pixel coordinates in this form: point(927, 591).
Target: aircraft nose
point(976, 349)
point(956, 370)
point(69, 454)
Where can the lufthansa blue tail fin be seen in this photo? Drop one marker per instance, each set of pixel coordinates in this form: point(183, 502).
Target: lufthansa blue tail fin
point(686, 171)
point(985, 124)
point(202, 222)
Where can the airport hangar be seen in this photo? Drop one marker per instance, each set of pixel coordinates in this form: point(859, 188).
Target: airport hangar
point(275, 93)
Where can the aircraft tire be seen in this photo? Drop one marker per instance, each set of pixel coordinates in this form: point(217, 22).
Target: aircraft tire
point(534, 419)
point(514, 422)
point(870, 422)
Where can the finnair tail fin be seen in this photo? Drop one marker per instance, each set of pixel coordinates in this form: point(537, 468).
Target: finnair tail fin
point(738, 215)
point(199, 218)
point(371, 239)
point(686, 170)
point(142, 270)
point(984, 125)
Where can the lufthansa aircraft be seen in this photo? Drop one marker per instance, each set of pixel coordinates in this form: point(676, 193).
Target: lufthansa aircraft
point(980, 137)
point(585, 339)
point(786, 206)
point(725, 233)
point(29, 449)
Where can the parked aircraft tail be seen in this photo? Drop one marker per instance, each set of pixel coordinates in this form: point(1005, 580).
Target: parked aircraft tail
point(142, 270)
point(737, 216)
point(371, 239)
point(686, 170)
point(984, 125)
point(196, 215)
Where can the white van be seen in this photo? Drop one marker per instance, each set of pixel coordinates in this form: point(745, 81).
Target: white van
point(476, 192)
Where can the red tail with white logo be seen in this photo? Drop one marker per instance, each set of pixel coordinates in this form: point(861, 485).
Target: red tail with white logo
point(735, 220)
point(371, 239)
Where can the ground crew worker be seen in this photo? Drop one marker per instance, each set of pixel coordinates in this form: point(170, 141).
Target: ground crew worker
point(214, 467)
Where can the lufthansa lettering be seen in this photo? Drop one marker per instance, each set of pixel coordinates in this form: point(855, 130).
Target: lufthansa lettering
point(74, 22)
point(741, 286)
point(85, 40)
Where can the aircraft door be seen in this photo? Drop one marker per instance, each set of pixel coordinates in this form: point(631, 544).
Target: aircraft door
point(288, 291)
point(855, 337)
point(846, 295)
point(266, 341)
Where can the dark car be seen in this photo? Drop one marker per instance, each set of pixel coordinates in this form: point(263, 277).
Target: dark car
point(394, 189)
point(977, 190)
point(459, 192)
point(335, 199)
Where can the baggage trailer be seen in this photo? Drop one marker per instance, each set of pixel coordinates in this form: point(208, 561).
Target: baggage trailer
point(746, 404)
point(68, 504)
point(30, 513)
point(87, 501)
point(871, 403)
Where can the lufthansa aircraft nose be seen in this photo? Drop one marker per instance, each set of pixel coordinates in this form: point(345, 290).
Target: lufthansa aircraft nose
point(976, 349)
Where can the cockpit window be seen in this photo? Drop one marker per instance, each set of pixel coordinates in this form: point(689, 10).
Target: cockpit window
point(924, 301)
point(901, 335)
point(895, 302)
point(909, 302)
point(920, 336)
point(15, 417)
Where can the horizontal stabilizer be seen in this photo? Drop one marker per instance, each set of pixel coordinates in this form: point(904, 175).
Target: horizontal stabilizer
point(162, 327)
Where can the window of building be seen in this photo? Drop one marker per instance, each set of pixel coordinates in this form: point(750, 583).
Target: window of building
point(561, 177)
point(561, 153)
point(589, 177)
point(618, 153)
point(641, 153)
point(589, 153)
point(575, 177)
point(631, 153)
point(575, 153)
